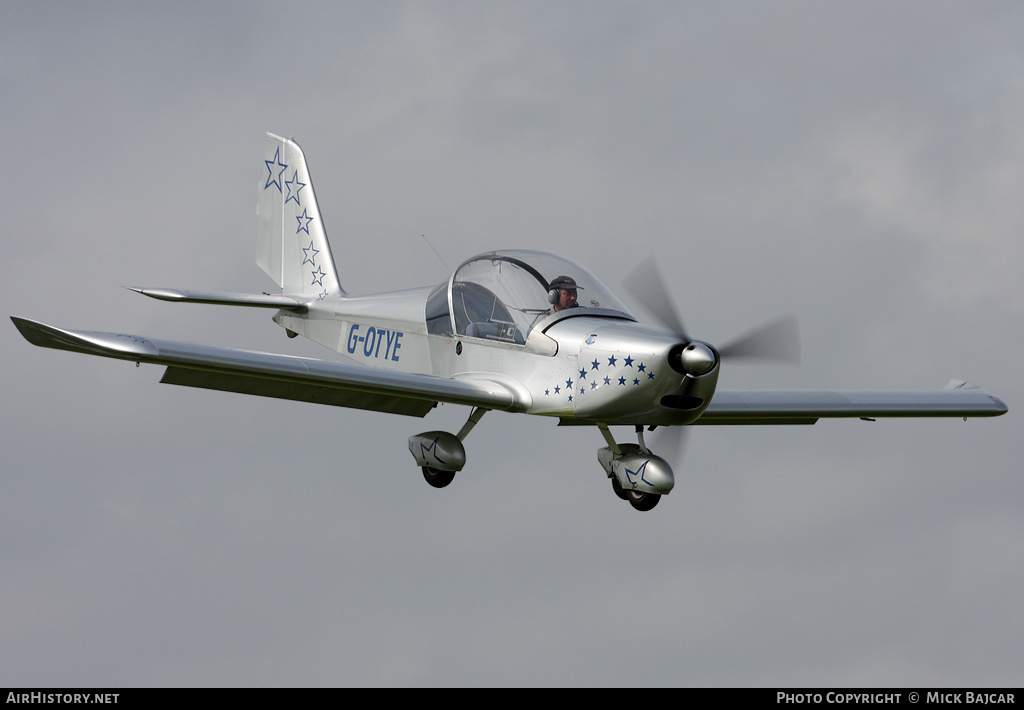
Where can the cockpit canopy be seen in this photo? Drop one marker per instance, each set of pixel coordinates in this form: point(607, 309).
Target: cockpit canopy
point(503, 295)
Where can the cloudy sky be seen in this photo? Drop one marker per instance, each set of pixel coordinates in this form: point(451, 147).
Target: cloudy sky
point(858, 164)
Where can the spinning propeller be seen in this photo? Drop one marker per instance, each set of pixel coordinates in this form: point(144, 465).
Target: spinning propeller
point(777, 341)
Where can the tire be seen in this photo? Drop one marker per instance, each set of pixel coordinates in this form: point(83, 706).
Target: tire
point(438, 478)
point(643, 501)
point(617, 488)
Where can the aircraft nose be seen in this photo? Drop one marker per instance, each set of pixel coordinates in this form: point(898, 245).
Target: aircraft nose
point(694, 359)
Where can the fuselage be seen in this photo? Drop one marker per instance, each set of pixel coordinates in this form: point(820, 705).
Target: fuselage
point(592, 363)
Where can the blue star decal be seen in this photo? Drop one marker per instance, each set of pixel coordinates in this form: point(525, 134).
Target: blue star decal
point(303, 222)
point(607, 380)
point(432, 450)
point(547, 393)
point(295, 185)
point(636, 381)
point(612, 360)
point(322, 296)
point(583, 374)
point(628, 362)
point(622, 380)
point(594, 365)
point(650, 375)
point(641, 368)
point(557, 389)
point(275, 163)
point(570, 398)
point(593, 385)
point(318, 276)
point(568, 384)
point(639, 473)
point(310, 257)
point(133, 338)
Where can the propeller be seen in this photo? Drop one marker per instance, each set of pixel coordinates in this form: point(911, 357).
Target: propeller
point(645, 284)
point(669, 442)
point(777, 341)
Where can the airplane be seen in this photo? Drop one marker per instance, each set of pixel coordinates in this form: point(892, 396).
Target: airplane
point(513, 330)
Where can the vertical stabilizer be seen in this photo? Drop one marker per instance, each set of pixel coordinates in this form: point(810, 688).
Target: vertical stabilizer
point(292, 243)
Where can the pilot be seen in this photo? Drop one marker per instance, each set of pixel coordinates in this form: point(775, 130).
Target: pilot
point(562, 293)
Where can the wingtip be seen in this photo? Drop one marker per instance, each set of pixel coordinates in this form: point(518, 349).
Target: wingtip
point(1000, 405)
point(37, 333)
point(25, 326)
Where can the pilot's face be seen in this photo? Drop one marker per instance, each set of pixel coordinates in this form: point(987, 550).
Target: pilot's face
point(566, 299)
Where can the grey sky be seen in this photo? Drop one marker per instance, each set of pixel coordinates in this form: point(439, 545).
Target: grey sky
point(858, 164)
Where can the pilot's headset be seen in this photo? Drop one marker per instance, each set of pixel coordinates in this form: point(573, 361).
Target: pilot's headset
point(560, 283)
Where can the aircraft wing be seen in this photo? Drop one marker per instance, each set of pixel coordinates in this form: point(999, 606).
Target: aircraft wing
point(283, 376)
point(958, 399)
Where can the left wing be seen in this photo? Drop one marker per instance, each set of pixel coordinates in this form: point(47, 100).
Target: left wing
point(282, 376)
point(958, 399)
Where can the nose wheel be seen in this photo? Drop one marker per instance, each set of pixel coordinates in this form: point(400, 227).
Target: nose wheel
point(649, 476)
point(642, 501)
point(638, 499)
point(618, 490)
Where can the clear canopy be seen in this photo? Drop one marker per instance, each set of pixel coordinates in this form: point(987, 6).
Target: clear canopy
point(503, 295)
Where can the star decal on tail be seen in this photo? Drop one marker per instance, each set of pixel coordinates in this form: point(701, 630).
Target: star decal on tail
point(274, 165)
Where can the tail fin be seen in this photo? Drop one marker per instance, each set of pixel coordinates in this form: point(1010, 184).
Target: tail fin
point(292, 244)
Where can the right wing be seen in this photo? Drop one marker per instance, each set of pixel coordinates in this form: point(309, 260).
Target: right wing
point(282, 376)
point(958, 399)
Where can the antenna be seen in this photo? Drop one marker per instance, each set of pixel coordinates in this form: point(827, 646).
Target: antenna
point(446, 267)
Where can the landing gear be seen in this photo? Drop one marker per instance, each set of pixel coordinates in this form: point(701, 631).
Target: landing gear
point(438, 478)
point(441, 455)
point(636, 474)
point(643, 501)
point(638, 499)
point(617, 489)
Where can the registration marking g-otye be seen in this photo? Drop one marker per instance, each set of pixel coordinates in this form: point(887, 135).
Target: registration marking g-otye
point(374, 342)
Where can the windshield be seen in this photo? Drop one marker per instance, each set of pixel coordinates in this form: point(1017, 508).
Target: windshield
point(503, 295)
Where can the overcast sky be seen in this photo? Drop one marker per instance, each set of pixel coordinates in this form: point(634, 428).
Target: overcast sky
point(857, 164)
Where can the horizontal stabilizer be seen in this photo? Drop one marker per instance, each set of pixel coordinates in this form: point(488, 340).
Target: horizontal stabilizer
point(222, 299)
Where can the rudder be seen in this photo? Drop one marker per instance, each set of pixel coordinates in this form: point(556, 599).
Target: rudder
point(291, 243)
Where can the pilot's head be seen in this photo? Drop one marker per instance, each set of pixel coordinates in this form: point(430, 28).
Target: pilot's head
point(562, 293)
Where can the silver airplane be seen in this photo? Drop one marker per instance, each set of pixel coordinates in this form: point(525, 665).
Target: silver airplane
point(520, 331)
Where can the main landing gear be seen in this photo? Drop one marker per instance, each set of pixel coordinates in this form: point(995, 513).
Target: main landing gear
point(636, 474)
point(438, 478)
point(441, 455)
